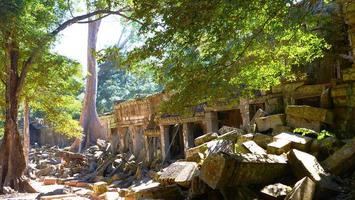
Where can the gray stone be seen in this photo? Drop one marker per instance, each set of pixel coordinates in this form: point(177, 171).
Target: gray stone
point(252, 147)
point(298, 122)
point(222, 170)
point(310, 113)
point(342, 160)
point(262, 139)
point(270, 122)
point(205, 138)
point(297, 141)
point(279, 147)
point(304, 189)
point(180, 172)
point(275, 191)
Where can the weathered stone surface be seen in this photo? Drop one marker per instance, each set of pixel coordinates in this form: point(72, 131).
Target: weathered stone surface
point(279, 147)
point(304, 164)
point(50, 181)
point(342, 160)
point(281, 129)
point(303, 190)
point(205, 138)
point(180, 172)
point(197, 154)
point(252, 147)
point(297, 141)
point(310, 113)
point(221, 169)
point(275, 191)
point(198, 187)
point(231, 136)
point(262, 139)
point(111, 196)
point(99, 188)
point(154, 191)
point(270, 122)
point(298, 122)
point(60, 196)
point(228, 129)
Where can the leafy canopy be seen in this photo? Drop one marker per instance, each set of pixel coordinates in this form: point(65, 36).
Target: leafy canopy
point(202, 50)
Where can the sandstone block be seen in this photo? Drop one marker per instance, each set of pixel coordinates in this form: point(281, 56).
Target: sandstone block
point(304, 164)
point(154, 191)
point(180, 172)
point(279, 147)
point(262, 139)
point(270, 122)
point(304, 189)
point(100, 188)
point(49, 181)
point(297, 141)
point(205, 138)
point(310, 113)
point(222, 170)
point(254, 148)
point(342, 160)
point(277, 191)
point(298, 122)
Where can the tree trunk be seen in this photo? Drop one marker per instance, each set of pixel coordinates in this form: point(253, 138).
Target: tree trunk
point(12, 160)
point(26, 131)
point(89, 119)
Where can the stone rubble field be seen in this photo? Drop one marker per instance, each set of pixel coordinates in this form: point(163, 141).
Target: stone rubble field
point(230, 164)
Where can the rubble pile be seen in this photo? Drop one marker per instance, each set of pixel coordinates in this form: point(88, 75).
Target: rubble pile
point(230, 164)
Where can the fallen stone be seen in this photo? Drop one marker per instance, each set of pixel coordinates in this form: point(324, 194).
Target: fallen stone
point(197, 187)
point(180, 172)
point(254, 148)
point(281, 129)
point(262, 139)
point(304, 164)
point(154, 191)
point(228, 129)
point(279, 147)
point(270, 122)
point(68, 156)
point(297, 141)
point(304, 189)
point(298, 122)
point(310, 113)
point(60, 196)
point(111, 196)
point(222, 169)
point(185, 177)
point(342, 160)
point(205, 138)
point(277, 191)
point(100, 188)
point(50, 181)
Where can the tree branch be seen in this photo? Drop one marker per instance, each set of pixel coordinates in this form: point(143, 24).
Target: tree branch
point(61, 27)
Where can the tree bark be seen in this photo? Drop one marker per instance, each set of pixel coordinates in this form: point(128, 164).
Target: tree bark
point(92, 128)
point(26, 131)
point(12, 161)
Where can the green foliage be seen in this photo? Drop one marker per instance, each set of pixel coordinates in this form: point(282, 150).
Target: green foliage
point(52, 82)
point(202, 51)
point(53, 91)
point(308, 132)
point(117, 84)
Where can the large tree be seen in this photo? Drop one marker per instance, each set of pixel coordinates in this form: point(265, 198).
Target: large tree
point(28, 28)
point(225, 49)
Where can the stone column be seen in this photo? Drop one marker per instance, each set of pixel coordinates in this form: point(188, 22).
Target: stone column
point(211, 122)
point(115, 140)
point(188, 136)
point(121, 132)
point(244, 111)
point(164, 139)
point(148, 149)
